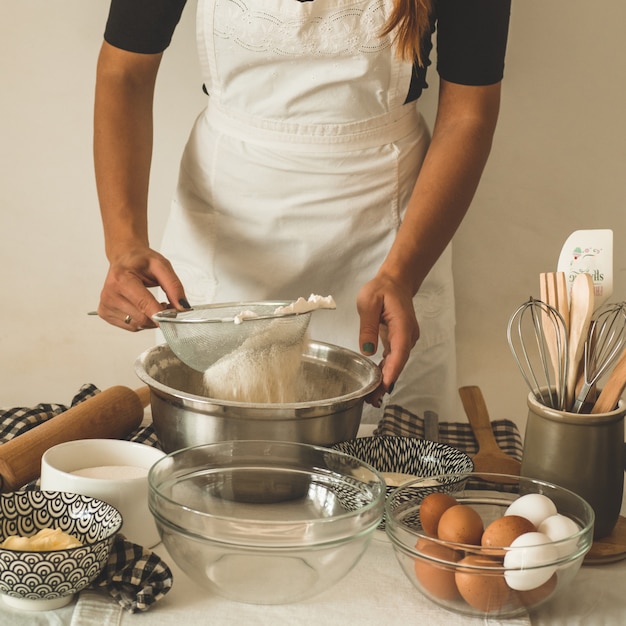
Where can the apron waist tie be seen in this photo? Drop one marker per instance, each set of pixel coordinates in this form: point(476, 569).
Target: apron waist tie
point(383, 129)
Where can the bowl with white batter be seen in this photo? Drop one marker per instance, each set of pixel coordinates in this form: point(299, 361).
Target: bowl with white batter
point(316, 398)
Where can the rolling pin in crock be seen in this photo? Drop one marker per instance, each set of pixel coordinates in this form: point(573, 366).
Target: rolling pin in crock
point(111, 414)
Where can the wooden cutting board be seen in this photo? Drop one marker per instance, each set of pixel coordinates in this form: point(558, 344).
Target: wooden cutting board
point(609, 549)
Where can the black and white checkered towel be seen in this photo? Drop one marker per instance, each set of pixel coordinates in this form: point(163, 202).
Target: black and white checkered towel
point(397, 421)
point(133, 575)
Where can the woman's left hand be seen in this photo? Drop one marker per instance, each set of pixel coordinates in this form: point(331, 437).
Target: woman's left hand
point(387, 314)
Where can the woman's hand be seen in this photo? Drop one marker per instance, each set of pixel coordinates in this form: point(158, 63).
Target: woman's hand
point(126, 301)
point(445, 186)
point(386, 311)
point(122, 156)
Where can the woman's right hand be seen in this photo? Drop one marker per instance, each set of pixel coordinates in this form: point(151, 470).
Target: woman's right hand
point(122, 155)
point(126, 301)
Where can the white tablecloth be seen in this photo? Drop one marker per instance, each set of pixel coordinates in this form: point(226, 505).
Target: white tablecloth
point(376, 592)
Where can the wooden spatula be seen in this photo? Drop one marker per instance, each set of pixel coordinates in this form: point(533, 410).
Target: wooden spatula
point(613, 388)
point(553, 291)
point(490, 457)
point(580, 312)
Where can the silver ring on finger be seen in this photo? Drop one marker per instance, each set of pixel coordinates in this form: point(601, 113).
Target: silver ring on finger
point(128, 319)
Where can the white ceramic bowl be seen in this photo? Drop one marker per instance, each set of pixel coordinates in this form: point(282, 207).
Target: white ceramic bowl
point(112, 470)
point(42, 581)
point(265, 522)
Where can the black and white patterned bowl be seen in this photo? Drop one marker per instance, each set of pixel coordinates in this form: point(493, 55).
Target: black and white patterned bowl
point(47, 580)
point(416, 457)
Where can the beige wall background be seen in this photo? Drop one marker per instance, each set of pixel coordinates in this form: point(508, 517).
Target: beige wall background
point(558, 164)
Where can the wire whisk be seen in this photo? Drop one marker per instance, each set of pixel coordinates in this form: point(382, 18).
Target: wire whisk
point(537, 337)
point(605, 343)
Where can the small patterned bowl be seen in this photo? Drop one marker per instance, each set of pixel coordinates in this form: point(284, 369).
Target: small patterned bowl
point(411, 456)
point(40, 581)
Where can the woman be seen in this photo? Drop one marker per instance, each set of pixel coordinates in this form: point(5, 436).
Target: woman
point(310, 171)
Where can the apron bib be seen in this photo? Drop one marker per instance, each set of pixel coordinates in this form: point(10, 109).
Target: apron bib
point(296, 175)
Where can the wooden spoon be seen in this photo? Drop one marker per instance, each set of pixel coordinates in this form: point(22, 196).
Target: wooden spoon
point(580, 312)
point(613, 389)
point(490, 457)
point(553, 291)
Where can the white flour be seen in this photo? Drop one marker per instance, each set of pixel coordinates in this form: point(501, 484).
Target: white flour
point(112, 472)
point(256, 373)
point(265, 368)
point(303, 306)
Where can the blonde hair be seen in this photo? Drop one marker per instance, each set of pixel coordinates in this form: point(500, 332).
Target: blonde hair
point(410, 19)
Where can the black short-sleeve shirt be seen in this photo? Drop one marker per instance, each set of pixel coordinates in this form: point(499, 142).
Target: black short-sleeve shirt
point(144, 26)
point(471, 36)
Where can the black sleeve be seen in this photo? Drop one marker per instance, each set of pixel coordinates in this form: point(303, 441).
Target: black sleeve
point(144, 26)
point(471, 40)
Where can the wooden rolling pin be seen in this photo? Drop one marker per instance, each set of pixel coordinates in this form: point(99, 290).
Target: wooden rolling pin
point(111, 414)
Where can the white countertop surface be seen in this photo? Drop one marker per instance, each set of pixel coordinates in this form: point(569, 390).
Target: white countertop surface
point(375, 592)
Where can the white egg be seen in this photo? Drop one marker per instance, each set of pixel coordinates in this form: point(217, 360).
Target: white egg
point(533, 506)
point(559, 527)
point(524, 559)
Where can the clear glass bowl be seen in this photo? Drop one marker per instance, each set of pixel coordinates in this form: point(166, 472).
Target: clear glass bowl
point(434, 566)
point(265, 522)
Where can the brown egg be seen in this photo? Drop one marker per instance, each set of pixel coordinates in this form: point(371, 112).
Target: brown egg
point(487, 592)
point(431, 510)
point(461, 524)
point(532, 597)
point(438, 580)
point(504, 530)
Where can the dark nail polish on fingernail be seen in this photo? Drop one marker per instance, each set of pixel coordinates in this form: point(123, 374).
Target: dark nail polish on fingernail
point(183, 302)
point(368, 347)
point(391, 388)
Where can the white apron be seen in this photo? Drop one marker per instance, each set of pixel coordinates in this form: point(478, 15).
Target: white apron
point(296, 176)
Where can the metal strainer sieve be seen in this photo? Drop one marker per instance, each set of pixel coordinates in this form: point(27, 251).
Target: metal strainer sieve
point(201, 336)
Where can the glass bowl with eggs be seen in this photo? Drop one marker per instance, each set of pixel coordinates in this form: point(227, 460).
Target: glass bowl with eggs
point(489, 545)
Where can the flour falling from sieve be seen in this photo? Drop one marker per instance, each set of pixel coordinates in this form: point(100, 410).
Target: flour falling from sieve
point(257, 372)
point(266, 367)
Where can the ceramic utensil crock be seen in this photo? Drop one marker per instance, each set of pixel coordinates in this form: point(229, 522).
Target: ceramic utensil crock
point(581, 452)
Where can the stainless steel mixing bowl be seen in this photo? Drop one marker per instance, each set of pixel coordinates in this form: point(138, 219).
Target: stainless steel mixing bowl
point(331, 389)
